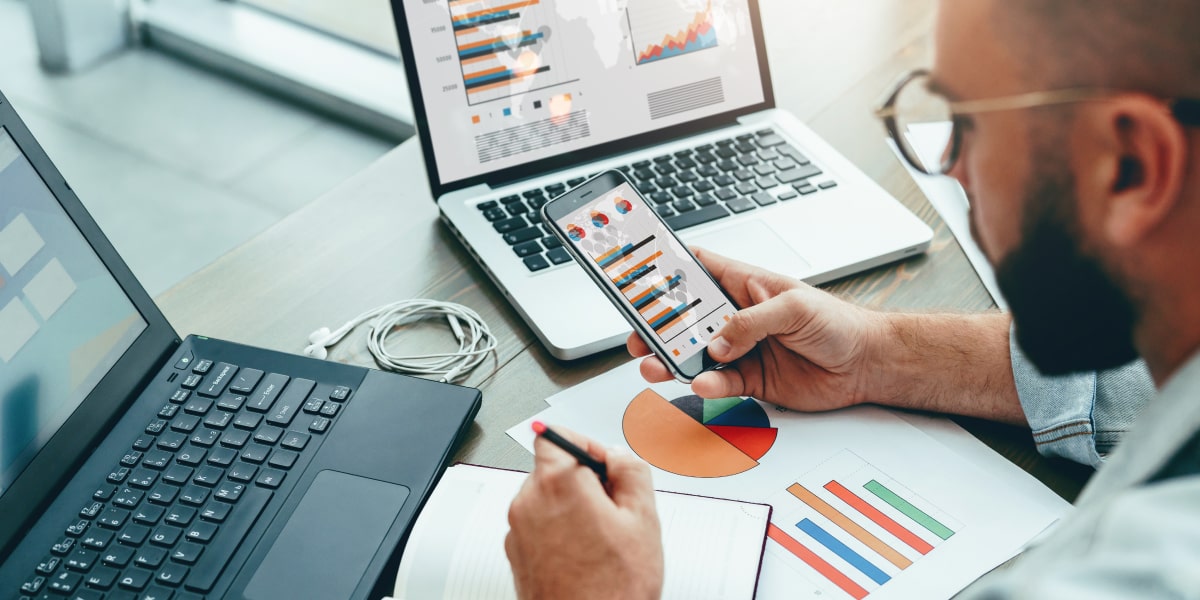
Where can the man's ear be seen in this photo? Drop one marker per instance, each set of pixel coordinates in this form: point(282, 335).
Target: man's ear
point(1143, 167)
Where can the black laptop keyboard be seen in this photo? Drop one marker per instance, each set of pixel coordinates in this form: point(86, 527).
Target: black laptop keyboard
point(688, 188)
point(166, 520)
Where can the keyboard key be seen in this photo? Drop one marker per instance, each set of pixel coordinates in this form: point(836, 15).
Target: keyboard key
point(697, 217)
point(172, 440)
point(270, 435)
point(533, 263)
point(532, 193)
point(77, 528)
point(187, 553)
point(827, 184)
point(101, 578)
point(767, 131)
point(247, 420)
point(180, 396)
point(726, 153)
point(190, 456)
point(740, 205)
point(746, 189)
point(723, 180)
point(264, 398)
point(215, 511)
point(231, 402)
point(243, 472)
point(685, 164)
point(245, 381)
point(290, 402)
point(156, 427)
point(112, 518)
point(683, 192)
point(508, 225)
point(555, 189)
point(178, 474)
point(313, 406)
point(524, 249)
point(683, 206)
point(745, 137)
point(295, 440)
point(168, 411)
point(131, 458)
point(222, 457)
point(789, 195)
point(517, 208)
point(661, 197)
point(202, 367)
point(510, 199)
point(133, 535)
point(201, 532)
point(229, 491)
point(192, 494)
point(81, 560)
point(330, 410)
point(726, 194)
point(186, 423)
point(769, 154)
point(486, 206)
point(744, 175)
point(148, 514)
point(150, 557)
point(33, 585)
point(208, 476)
point(321, 424)
point(142, 478)
point(215, 382)
point(513, 238)
point(182, 515)
point(103, 493)
point(704, 200)
point(764, 168)
point(143, 443)
point(270, 478)
point(64, 582)
point(89, 511)
point(665, 169)
point(209, 567)
point(163, 494)
point(495, 214)
point(255, 453)
point(747, 160)
point(165, 536)
point(763, 199)
point(198, 406)
point(117, 556)
point(280, 459)
point(558, 256)
point(206, 437)
point(172, 575)
point(798, 173)
point(134, 579)
point(551, 242)
point(665, 211)
point(666, 183)
point(744, 148)
point(770, 140)
point(118, 475)
point(96, 538)
point(794, 154)
point(704, 186)
point(191, 381)
point(805, 188)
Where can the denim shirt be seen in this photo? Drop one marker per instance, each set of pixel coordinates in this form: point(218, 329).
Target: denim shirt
point(1133, 534)
point(1080, 417)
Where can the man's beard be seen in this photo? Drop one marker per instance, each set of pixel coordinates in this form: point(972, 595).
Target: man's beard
point(1069, 314)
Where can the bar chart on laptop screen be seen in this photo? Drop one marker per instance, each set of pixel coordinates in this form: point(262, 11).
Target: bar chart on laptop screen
point(850, 528)
point(507, 47)
point(665, 29)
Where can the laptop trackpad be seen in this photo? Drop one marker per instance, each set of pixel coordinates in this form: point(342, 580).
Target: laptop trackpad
point(756, 243)
point(329, 540)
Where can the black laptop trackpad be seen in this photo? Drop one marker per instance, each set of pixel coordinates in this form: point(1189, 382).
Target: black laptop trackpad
point(329, 540)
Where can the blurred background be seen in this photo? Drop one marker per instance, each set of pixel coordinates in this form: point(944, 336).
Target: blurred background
point(188, 126)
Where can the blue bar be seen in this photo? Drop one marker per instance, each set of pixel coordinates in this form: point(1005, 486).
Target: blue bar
point(618, 256)
point(657, 294)
point(498, 46)
point(487, 17)
point(497, 75)
point(825, 539)
point(633, 276)
point(667, 317)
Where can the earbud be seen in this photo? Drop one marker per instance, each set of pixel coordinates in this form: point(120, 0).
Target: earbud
point(317, 351)
point(319, 336)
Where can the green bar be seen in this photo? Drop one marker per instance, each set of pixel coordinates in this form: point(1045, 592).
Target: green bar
point(911, 511)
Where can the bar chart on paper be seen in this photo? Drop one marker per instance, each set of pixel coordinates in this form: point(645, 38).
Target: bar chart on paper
point(851, 529)
point(506, 47)
point(663, 30)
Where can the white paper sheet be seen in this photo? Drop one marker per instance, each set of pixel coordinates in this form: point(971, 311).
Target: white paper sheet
point(992, 513)
point(949, 199)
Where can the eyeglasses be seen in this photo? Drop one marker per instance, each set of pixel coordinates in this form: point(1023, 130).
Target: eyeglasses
point(914, 109)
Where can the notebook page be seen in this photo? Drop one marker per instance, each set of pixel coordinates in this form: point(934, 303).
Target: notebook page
point(456, 550)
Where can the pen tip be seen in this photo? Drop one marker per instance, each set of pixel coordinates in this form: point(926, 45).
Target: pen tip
point(539, 427)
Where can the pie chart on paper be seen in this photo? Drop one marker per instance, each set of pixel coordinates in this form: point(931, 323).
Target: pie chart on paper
point(694, 437)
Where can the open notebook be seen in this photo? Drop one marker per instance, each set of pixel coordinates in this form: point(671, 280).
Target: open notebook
point(713, 548)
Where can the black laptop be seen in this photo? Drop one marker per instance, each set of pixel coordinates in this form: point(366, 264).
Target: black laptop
point(134, 464)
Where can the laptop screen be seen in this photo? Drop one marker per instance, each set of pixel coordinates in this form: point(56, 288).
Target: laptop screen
point(504, 83)
point(64, 319)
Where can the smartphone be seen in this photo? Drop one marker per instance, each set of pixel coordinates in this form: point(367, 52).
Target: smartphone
point(657, 284)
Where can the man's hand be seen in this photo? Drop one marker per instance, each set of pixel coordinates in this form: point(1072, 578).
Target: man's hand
point(572, 538)
point(791, 344)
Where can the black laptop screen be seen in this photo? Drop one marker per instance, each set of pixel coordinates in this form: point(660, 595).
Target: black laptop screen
point(505, 83)
point(64, 320)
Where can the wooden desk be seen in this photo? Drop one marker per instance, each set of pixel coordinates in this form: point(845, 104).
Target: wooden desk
point(377, 239)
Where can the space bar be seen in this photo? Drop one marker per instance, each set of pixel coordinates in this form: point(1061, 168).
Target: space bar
point(217, 554)
point(697, 217)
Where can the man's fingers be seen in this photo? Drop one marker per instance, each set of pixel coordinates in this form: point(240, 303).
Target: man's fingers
point(722, 383)
point(752, 325)
point(629, 481)
point(654, 371)
point(637, 346)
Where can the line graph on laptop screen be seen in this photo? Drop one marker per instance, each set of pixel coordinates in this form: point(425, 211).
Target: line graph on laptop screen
point(508, 82)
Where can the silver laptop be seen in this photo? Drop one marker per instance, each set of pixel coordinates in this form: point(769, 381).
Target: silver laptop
point(518, 100)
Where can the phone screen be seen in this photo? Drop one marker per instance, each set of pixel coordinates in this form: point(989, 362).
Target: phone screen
point(643, 261)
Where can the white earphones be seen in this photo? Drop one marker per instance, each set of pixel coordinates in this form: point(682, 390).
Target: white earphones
point(474, 343)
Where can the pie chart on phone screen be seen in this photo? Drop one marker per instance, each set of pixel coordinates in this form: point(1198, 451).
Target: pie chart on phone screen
point(694, 437)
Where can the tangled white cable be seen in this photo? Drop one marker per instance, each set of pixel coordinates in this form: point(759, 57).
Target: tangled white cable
point(474, 343)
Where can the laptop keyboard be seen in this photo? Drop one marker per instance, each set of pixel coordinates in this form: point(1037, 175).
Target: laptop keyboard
point(688, 188)
point(176, 506)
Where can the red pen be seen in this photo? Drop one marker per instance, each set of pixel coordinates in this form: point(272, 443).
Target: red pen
point(584, 458)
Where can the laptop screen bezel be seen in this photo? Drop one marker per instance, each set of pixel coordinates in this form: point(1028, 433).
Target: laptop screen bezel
point(33, 490)
point(567, 159)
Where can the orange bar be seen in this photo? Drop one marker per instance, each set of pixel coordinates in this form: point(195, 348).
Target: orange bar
point(659, 315)
point(829, 571)
point(516, 77)
point(468, 61)
point(879, 518)
point(604, 257)
point(485, 72)
point(480, 13)
point(630, 271)
point(672, 322)
point(849, 526)
point(489, 42)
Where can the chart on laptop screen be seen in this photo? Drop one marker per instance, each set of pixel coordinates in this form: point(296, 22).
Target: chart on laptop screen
point(509, 82)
